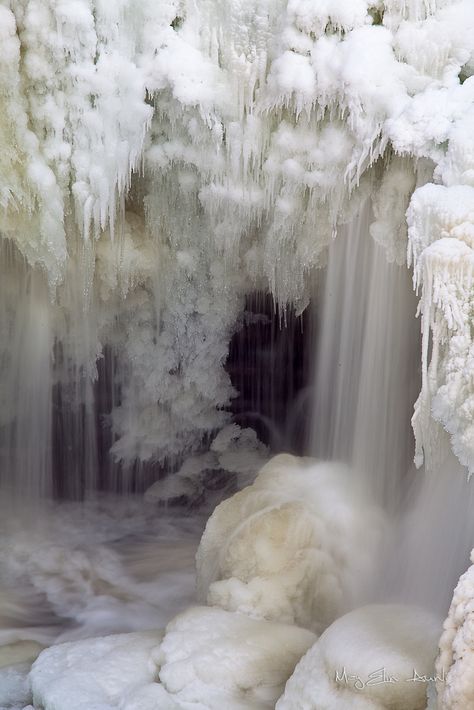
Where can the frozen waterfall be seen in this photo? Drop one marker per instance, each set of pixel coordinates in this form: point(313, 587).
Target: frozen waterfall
point(236, 286)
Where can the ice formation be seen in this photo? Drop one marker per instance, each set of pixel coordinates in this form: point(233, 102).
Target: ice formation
point(441, 228)
point(378, 657)
point(163, 159)
point(454, 665)
point(97, 673)
point(218, 659)
point(234, 457)
point(297, 546)
point(209, 659)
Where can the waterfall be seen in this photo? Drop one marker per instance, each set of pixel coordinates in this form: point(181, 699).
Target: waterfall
point(173, 176)
point(26, 369)
point(366, 383)
point(50, 426)
point(366, 361)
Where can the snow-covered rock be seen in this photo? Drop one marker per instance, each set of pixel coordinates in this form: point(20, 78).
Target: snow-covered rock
point(296, 546)
point(213, 659)
point(233, 460)
point(99, 674)
point(455, 662)
point(378, 657)
point(208, 659)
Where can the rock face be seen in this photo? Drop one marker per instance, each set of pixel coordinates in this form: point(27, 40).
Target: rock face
point(455, 662)
point(296, 546)
point(378, 657)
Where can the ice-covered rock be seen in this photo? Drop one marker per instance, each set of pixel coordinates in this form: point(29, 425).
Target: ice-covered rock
point(455, 662)
point(14, 686)
point(233, 460)
point(378, 657)
point(296, 546)
point(100, 673)
point(213, 659)
point(209, 659)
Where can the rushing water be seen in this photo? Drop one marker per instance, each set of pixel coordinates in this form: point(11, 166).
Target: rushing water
point(72, 570)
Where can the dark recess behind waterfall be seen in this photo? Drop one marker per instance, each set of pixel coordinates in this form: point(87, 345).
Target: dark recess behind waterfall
point(269, 366)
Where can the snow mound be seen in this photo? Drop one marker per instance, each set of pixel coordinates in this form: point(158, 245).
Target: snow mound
point(455, 662)
point(209, 659)
point(215, 659)
point(379, 657)
point(94, 674)
point(296, 546)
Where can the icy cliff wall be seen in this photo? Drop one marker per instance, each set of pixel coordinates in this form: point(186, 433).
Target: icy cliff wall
point(162, 159)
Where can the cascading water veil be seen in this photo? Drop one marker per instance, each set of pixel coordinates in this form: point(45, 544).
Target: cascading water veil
point(179, 181)
point(366, 375)
point(366, 382)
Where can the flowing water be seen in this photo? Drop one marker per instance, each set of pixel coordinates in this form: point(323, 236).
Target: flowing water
point(367, 362)
point(72, 570)
point(367, 379)
point(26, 378)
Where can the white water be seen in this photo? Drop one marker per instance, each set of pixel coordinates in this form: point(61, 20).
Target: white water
point(76, 570)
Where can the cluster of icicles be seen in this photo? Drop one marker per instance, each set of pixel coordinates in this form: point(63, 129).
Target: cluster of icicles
point(163, 159)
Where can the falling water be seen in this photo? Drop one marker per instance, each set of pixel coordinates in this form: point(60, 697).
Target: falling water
point(26, 385)
point(366, 373)
point(75, 562)
point(366, 383)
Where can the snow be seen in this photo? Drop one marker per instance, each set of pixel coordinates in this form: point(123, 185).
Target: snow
point(297, 546)
point(454, 665)
point(367, 660)
point(219, 659)
point(94, 674)
point(208, 659)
